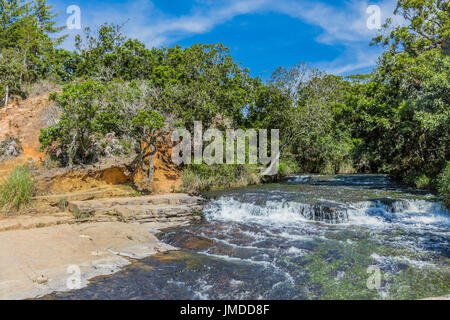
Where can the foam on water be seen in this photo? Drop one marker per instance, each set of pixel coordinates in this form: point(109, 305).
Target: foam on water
point(229, 209)
point(410, 214)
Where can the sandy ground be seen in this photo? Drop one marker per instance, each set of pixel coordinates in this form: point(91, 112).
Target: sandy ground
point(39, 261)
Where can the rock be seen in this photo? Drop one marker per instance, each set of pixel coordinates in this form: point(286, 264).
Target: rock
point(325, 211)
point(153, 208)
point(52, 253)
point(41, 279)
point(10, 148)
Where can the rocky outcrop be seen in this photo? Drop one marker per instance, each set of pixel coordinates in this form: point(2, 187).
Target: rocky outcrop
point(39, 261)
point(97, 237)
point(175, 207)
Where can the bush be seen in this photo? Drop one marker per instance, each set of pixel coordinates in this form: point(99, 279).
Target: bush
point(205, 177)
point(444, 184)
point(422, 181)
point(17, 190)
point(288, 166)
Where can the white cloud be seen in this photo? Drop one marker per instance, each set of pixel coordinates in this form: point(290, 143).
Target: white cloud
point(339, 24)
point(353, 59)
point(344, 26)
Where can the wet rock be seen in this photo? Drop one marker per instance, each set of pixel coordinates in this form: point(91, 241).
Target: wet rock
point(392, 205)
point(188, 240)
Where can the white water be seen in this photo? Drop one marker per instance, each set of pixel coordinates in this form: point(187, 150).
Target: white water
point(409, 214)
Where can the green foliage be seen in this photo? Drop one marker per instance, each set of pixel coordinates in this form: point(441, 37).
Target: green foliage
point(11, 69)
point(395, 120)
point(403, 114)
point(202, 177)
point(81, 215)
point(25, 29)
point(63, 204)
point(194, 83)
point(81, 104)
point(444, 184)
point(308, 107)
point(17, 190)
point(422, 182)
point(288, 166)
point(91, 110)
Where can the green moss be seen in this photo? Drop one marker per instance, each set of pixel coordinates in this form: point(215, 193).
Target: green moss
point(339, 270)
point(419, 283)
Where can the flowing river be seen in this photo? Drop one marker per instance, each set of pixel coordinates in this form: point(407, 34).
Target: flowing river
point(310, 237)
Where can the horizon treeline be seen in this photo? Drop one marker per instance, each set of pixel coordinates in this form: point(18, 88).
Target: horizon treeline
point(395, 120)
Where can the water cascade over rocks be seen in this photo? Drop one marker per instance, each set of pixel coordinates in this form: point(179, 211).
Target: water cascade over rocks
point(310, 237)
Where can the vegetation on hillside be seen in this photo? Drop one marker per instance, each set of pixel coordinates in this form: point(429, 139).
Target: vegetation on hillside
point(395, 120)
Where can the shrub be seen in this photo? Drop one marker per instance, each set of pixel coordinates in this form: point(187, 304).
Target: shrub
point(205, 177)
point(63, 204)
point(17, 190)
point(422, 181)
point(444, 184)
point(81, 215)
point(288, 166)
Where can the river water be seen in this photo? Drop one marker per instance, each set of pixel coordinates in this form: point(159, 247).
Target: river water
point(310, 237)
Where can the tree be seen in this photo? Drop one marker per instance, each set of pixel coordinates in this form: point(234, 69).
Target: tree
point(82, 105)
point(11, 69)
point(26, 28)
point(407, 106)
point(92, 109)
point(306, 105)
point(147, 125)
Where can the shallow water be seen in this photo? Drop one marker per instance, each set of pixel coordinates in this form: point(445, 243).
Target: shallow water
point(311, 237)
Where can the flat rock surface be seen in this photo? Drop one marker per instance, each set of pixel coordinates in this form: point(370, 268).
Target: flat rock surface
point(39, 261)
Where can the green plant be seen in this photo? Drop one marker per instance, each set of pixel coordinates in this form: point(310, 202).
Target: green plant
point(204, 177)
point(62, 204)
point(196, 212)
point(288, 166)
point(81, 215)
point(422, 181)
point(17, 190)
point(444, 184)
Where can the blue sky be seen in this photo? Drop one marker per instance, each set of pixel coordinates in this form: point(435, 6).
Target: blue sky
point(262, 34)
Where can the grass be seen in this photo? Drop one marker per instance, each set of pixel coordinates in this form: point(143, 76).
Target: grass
point(288, 166)
point(197, 178)
point(81, 215)
point(16, 191)
point(63, 204)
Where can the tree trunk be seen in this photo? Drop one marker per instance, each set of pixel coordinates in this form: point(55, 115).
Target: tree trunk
point(151, 167)
point(7, 95)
